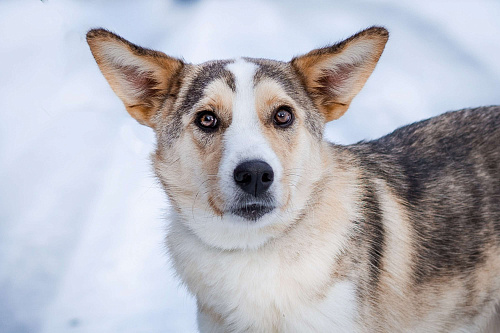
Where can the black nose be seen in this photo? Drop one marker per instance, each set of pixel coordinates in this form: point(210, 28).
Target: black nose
point(254, 177)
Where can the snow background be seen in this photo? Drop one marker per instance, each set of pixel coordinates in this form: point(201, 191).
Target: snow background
point(82, 220)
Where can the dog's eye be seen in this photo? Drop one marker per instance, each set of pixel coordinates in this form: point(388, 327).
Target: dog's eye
point(283, 116)
point(207, 121)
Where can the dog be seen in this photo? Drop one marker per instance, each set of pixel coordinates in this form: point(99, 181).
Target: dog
point(274, 229)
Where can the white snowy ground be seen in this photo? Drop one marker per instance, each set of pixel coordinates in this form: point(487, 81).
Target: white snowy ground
point(81, 218)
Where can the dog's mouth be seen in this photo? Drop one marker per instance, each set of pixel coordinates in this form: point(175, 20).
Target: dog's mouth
point(252, 211)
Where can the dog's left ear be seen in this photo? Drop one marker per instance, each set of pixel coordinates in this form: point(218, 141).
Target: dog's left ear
point(140, 77)
point(334, 75)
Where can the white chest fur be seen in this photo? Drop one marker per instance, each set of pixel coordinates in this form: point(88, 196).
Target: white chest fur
point(264, 290)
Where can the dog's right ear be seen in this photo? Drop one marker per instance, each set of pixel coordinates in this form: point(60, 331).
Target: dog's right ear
point(140, 77)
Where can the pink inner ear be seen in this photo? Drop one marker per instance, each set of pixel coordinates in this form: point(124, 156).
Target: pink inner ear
point(333, 83)
point(144, 84)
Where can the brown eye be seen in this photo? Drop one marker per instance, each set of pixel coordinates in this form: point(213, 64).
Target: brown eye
point(207, 121)
point(283, 117)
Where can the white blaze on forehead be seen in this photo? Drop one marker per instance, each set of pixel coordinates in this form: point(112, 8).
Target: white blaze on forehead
point(244, 140)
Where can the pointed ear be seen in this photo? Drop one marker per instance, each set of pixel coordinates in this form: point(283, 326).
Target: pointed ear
point(140, 77)
point(334, 75)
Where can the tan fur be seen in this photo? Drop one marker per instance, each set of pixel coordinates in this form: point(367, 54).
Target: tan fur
point(216, 317)
point(268, 97)
point(219, 97)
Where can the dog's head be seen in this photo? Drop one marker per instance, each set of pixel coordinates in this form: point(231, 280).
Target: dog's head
point(239, 142)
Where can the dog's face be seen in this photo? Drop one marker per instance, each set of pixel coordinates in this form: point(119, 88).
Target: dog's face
point(233, 154)
point(239, 141)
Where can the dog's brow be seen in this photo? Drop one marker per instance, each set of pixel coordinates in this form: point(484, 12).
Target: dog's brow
point(289, 81)
point(210, 72)
point(277, 71)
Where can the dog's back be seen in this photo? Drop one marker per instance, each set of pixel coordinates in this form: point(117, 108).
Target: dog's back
point(446, 173)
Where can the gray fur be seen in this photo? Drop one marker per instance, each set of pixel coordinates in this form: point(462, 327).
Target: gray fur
point(446, 170)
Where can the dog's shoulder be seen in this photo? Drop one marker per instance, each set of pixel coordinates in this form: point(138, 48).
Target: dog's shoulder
point(446, 172)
